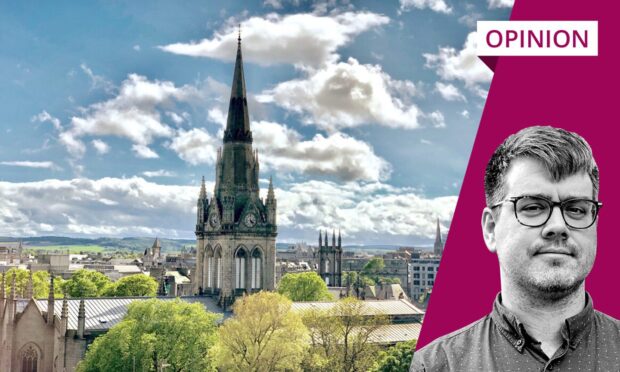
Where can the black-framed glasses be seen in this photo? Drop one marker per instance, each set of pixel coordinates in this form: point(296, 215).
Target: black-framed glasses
point(535, 211)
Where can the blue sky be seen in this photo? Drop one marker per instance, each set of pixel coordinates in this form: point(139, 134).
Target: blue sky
point(363, 112)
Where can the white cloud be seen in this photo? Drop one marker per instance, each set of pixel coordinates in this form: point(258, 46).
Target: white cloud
point(470, 20)
point(449, 92)
point(108, 206)
point(463, 65)
point(299, 39)
point(195, 146)
point(32, 164)
point(100, 146)
point(136, 207)
point(439, 6)
point(348, 94)
point(437, 119)
point(158, 173)
point(137, 48)
point(465, 114)
point(144, 152)
point(44, 116)
point(362, 211)
point(134, 113)
point(97, 81)
point(337, 155)
point(500, 3)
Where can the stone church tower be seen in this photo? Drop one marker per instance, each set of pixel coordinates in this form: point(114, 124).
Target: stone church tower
point(330, 260)
point(235, 230)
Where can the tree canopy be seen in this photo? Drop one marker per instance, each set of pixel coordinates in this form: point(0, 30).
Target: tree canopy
point(264, 335)
point(395, 359)
point(340, 337)
point(40, 283)
point(86, 283)
point(132, 285)
point(155, 333)
point(307, 286)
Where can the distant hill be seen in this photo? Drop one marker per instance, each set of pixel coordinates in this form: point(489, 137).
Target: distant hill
point(109, 244)
point(168, 245)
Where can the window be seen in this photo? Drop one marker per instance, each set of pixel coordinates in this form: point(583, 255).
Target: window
point(431, 269)
point(431, 276)
point(416, 275)
point(416, 282)
point(240, 269)
point(256, 269)
point(30, 359)
point(416, 268)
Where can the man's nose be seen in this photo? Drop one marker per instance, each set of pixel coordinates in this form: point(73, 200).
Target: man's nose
point(556, 227)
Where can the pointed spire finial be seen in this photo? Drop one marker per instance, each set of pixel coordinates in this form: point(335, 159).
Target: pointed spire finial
point(239, 37)
point(29, 289)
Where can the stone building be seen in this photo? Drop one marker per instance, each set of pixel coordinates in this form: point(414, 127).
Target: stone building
point(152, 257)
point(235, 230)
point(330, 260)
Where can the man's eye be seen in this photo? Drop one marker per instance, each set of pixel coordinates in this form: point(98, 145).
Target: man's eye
point(575, 211)
point(534, 207)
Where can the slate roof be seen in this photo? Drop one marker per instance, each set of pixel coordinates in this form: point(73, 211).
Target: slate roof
point(387, 307)
point(104, 312)
point(393, 333)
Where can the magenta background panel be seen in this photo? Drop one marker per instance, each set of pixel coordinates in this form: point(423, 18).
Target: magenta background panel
point(579, 94)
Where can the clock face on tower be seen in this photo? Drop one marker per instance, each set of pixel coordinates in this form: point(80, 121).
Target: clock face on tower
point(250, 220)
point(214, 220)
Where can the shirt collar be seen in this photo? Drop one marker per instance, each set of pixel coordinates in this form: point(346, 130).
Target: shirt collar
point(511, 327)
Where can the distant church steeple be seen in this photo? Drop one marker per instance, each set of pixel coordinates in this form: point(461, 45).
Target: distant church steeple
point(438, 247)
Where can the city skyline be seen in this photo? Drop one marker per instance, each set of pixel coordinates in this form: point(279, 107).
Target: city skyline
point(108, 132)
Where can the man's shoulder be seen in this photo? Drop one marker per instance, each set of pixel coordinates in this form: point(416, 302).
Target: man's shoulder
point(607, 322)
point(452, 346)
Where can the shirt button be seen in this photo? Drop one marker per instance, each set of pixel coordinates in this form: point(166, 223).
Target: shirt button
point(519, 342)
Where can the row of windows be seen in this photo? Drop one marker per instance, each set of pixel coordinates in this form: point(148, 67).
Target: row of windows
point(428, 276)
point(424, 282)
point(424, 268)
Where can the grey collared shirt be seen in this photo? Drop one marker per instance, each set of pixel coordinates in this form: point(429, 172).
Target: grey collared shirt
point(499, 342)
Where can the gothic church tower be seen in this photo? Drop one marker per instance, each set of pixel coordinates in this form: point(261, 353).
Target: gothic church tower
point(235, 230)
point(330, 260)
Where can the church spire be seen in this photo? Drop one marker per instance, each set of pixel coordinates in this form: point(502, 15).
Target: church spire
point(238, 123)
point(203, 190)
point(438, 246)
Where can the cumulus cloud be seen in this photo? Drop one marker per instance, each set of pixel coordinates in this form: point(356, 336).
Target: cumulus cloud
point(362, 210)
point(449, 92)
point(136, 207)
point(32, 164)
point(500, 3)
point(298, 39)
point(463, 65)
point(100, 146)
point(348, 94)
point(134, 114)
point(437, 119)
point(108, 206)
point(337, 155)
point(439, 6)
point(158, 173)
point(195, 146)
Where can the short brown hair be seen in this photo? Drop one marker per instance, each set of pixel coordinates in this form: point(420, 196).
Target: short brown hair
point(561, 152)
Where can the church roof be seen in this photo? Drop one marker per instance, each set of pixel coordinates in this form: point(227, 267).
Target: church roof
point(102, 313)
point(387, 307)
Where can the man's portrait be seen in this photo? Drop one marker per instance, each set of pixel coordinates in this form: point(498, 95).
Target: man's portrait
point(540, 220)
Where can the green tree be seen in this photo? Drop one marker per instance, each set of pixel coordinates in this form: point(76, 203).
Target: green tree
point(373, 268)
point(395, 359)
point(155, 333)
point(340, 337)
point(132, 285)
point(40, 283)
point(306, 286)
point(263, 335)
point(86, 283)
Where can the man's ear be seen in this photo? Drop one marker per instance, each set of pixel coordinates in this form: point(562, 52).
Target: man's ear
point(488, 229)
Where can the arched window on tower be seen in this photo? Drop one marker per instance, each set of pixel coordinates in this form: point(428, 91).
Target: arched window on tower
point(209, 267)
point(240, 258)
point(257, 263)
point(326, 266)
point(29, 359)
point(218, 267)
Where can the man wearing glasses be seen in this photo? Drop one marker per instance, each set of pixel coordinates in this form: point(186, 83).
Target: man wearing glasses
point(541, 189)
